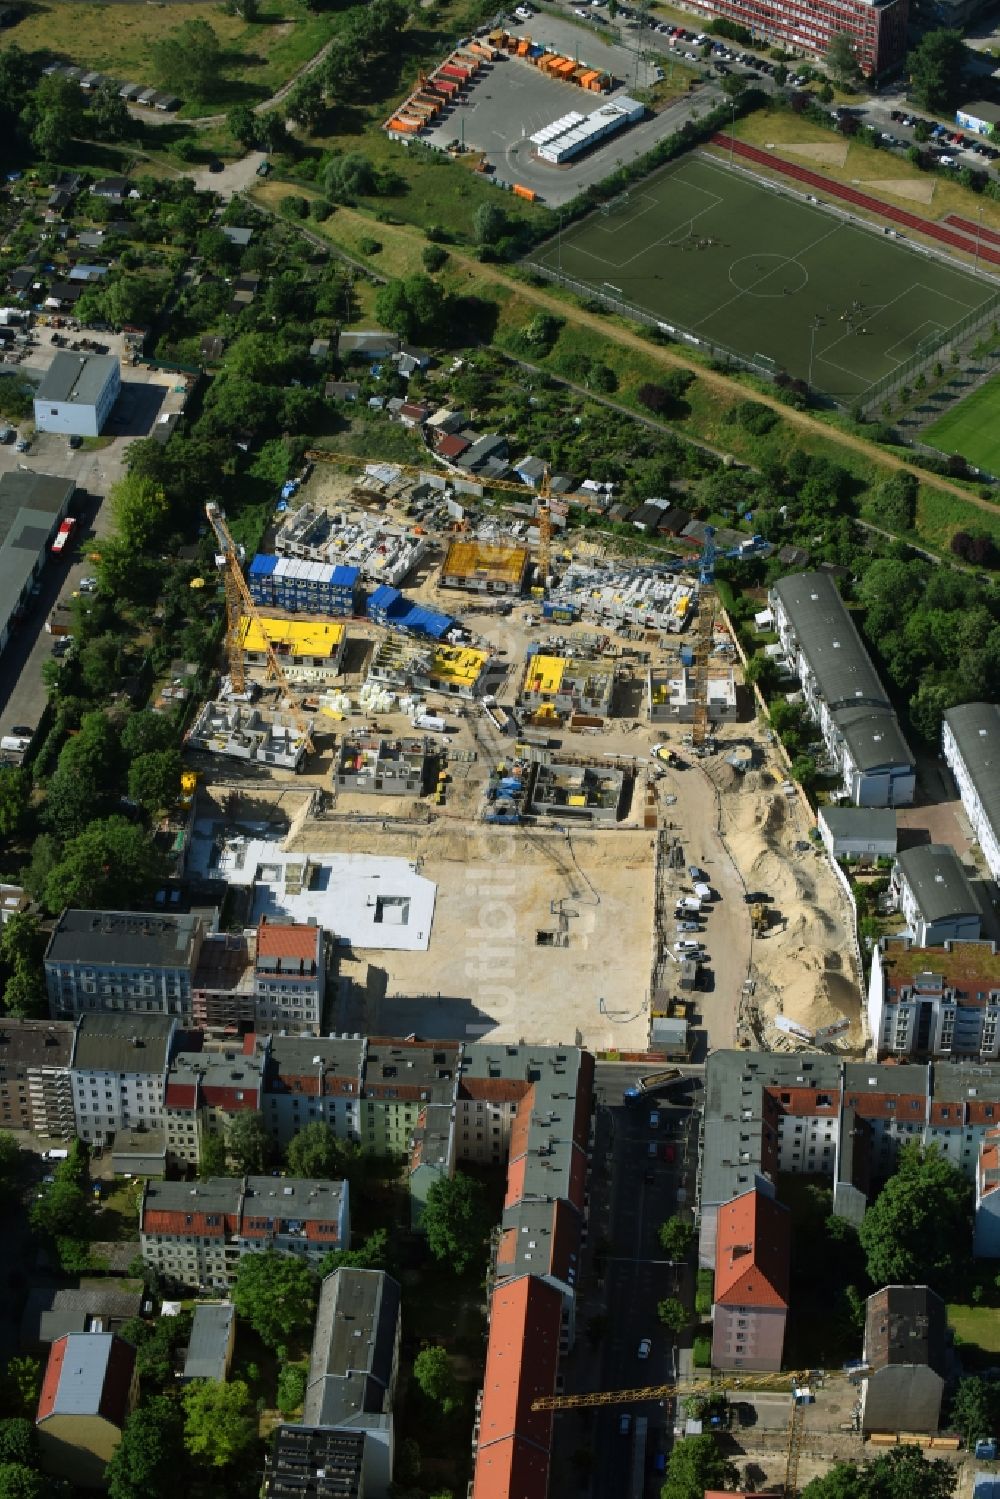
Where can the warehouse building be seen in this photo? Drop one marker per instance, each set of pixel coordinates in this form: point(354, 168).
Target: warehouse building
point(561, 685)
point(32, 506)
point(309, 650)
point(483, 567)
point(301, 587)
point(77, 394)
point(970, 740)
point(390, 767)
point(935, 1002)
point(842, 691)
point(877, 28)
point(936, 900)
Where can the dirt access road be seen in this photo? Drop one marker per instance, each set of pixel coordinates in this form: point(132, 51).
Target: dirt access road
point(672, 358)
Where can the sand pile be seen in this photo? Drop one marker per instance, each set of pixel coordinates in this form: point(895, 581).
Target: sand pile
point(805, 967)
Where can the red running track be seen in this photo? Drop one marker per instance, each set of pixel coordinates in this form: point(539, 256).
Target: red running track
point(857, 199)
point(970, 228)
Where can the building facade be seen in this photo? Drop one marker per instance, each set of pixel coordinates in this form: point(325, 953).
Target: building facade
point(310, 1080)
point(205, 1091)
point(289, 977)
point(368, 764)
point(119, 960)
point(752, 1261)
point(32, 506)
point(561, 685)
point(970, 742)
point(118, 1073)
point(842, 691)
point(196, 1234)
point(36, 1093)
point(877, 28)
point(77, 394)
point(928, 1002)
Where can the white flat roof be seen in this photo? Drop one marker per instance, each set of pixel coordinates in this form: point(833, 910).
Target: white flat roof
point(366, 901)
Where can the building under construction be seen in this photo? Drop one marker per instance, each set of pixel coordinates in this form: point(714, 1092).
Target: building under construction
point(671, 697)
point(241, 732)
point(405, 665)
point(382, 553)
point(583, 793)
point(384, 767)
point(560, 685)
point(616, 596)
point(485, 567)
point(309, 650)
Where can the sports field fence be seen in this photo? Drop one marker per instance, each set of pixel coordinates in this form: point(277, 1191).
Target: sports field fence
point(934, 347)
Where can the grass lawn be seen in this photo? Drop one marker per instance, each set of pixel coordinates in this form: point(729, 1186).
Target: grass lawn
point(120, 38)
point(766, 275)
point(865, 165)
point(972, 428)
point(976, 1325)
point(117, 1218)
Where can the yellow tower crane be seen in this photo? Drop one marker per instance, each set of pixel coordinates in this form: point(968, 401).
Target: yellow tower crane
point(542, 494)
point(240, 604)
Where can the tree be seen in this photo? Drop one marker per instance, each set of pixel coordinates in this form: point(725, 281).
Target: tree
point(903, 1473)
point(61, 1210)
point(895, 501)
point(915, 1230)
point(373, 1254)
point(780, 75)
point(975, 1409)
point(20, 1482)
point(140, 511)
point(154, 780)
point(489, 223)
point(676, 1237)
point(242, 124)
point(307, 101)
point(248, 1142)
point(734, 85)
point(316, 1153)
point(292, 1388)
point(456, 1220)
point(276, 1294)
point(212, 1159)
point(842, 60)
point(24, 993)
point(935, 66)
point(219, 1421)
point(804, 770)
point(18, 1441)
point(109, 866)
point(109, 112)
point(22, 1381)
point(349, 176)
point(147, 732)
point(413, 308)
point(15, 789)
point(433, 1373)
point(673, 1314)
point(696, 1464)
point(56, 113)
point(144, 1464)
point(189, 60)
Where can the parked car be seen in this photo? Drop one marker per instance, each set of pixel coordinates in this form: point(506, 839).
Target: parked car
point(654, 1119)
point(644, 1348)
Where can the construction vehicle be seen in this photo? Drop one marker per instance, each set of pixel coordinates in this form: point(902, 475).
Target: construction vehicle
point(796, 1384)
point(239, 603)
point(760, 918)
point(541, 494)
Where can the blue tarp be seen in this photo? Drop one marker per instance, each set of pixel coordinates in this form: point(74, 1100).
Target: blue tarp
point(263, 565)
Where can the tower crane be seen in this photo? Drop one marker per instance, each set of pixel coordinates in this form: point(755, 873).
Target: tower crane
point(542, 494)
point(239, 603)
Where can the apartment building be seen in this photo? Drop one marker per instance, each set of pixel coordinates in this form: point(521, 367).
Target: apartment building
point(842, 691)
point(354, 1366)
point(877, 28)
point(936, 900)
point(561, 685)
point(935, 1002)
point(905, 1357)
point(400, 1079)
point(196, 1234)
point(90, 1388)
point(970, 741)
point(119, 960)
point(205, 1090)
point(309, 1079)
point(512, 1442)
point(752, 1274)
point(289, 977)
point(314, 1462)
point(35, 1089)
point(118, 1073)
point(986, 1235)
point(222, 986)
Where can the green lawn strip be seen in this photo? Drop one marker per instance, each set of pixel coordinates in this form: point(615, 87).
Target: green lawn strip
point(972, 428)
point(976, 1325)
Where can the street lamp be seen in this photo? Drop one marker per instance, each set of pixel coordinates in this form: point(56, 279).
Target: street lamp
point(812, 346)
point(732, 133)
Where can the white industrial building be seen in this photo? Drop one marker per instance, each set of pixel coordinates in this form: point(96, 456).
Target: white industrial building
point(574, 133)
point(858, 832)
point(77, 394)
point(842, 691)
point(970, 739)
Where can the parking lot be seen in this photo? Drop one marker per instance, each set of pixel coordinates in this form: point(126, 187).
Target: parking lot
point(512, 99)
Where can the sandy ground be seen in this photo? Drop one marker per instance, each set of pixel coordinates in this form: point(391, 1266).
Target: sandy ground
point(833, 155)
point(484, 972)
point(804, 967)
point(899, 187)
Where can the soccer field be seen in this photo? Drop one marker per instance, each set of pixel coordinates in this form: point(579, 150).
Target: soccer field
point(972, 428)
point(711, 252)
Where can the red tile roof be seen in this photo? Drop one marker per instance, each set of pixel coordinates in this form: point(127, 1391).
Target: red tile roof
point(231, 1100)
point(287, 940)
point(521, 1363)
point(753, 1242)
point(452, 447)
point(50, 1384)
point(117, 1383)
point(511, 1470)
point(492, 1089)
